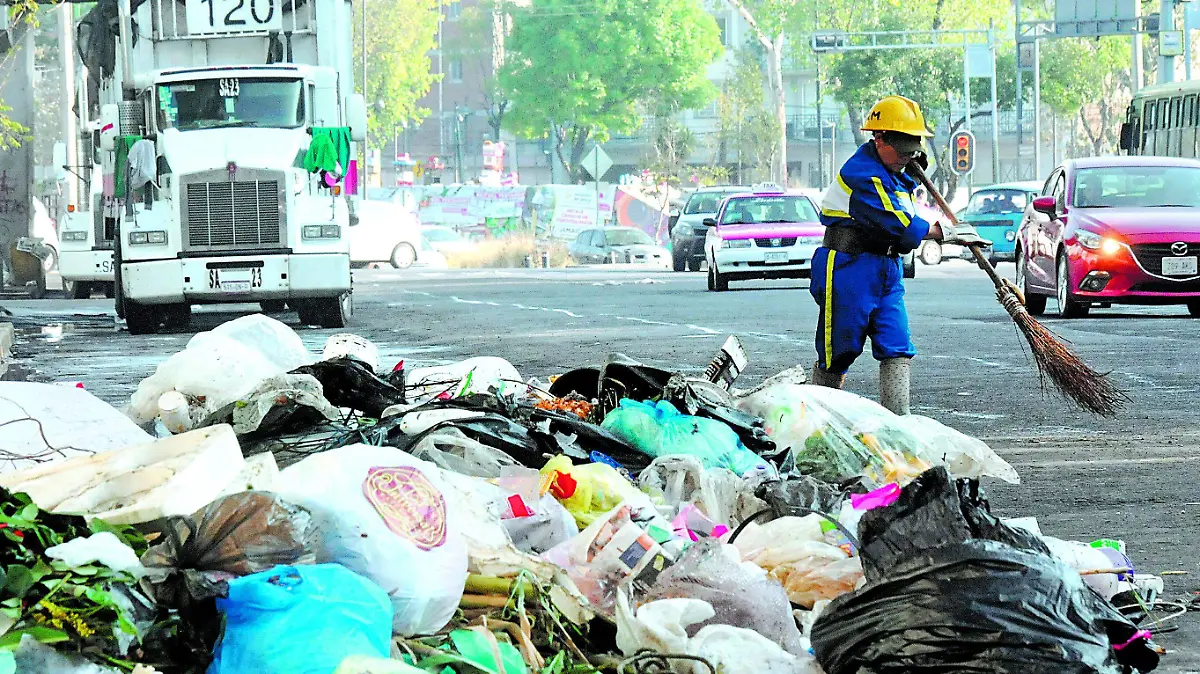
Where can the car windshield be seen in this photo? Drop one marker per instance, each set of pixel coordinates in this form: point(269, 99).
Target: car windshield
point(705, 202)
point(997, 202)
point(627, 237)
point(763, 209)
point(440, 235)
point(1138, 186)
point(228, 102)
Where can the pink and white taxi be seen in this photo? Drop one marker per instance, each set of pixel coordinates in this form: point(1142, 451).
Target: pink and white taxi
point(765, 234)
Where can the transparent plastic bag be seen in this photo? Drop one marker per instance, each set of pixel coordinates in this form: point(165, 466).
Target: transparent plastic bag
point(681, 480)
point(793, 551)
point(658, 429)
point(451, 450)
point(836, 436)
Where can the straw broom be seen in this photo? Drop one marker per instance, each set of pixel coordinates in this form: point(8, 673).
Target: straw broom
point(1072, 377)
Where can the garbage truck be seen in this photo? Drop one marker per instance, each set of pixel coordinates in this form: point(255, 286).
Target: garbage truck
point(216, 162)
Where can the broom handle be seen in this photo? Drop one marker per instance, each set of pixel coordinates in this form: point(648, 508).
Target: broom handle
point(937, 197)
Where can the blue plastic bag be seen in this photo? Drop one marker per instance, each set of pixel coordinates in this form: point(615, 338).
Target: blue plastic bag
point(301, 620)
point(661, 430)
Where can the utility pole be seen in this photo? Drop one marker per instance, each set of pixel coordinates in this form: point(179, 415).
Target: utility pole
point(458, 153)
point(441, 71)
point(820, 131)
point(1037, 108)
point(366, 151)
point(1166, 22)
point(66, 52)
point(1020, 96)
point(995, 111)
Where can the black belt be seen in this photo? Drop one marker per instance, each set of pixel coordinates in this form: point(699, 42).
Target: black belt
point(854, 241)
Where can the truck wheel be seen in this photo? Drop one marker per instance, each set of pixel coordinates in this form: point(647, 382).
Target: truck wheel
point(109, 290)
point(177, 316)
point(327, 312)
point(273, 306)
point(403, 256)
point(140, 319)
point(51, 261)
point(80, 290)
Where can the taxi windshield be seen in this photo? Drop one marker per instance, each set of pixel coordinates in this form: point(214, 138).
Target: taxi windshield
point(997, 202)
point(765, 209)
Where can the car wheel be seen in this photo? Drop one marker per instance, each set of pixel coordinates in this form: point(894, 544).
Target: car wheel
point(403, 256)
point(717, 281)
point(1068, 306)
point(1035, 304)
point(1194, 309)
point(931, 253)
point(679, 262)
point(51, 261)
point(909, 263)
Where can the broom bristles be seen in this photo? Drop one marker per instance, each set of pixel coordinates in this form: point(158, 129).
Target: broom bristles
point(1072, 377)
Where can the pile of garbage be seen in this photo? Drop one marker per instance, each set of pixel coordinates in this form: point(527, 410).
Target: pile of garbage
point(256, 509)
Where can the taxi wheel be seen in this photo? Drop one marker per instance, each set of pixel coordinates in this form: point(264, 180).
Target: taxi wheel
point(716, 280)
point(1068, 307)
point(1194, 309)
point(1035, 304)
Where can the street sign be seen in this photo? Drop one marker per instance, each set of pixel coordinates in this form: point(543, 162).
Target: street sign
point(597, 162)
point(828, 41)
point(1170, 43)
point(1025, 55)
point(979, 60)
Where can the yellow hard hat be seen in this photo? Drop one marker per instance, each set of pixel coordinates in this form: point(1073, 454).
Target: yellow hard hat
point(896, 113)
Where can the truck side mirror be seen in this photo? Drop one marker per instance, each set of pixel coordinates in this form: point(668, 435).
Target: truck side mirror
point(110, 126)
point(1125, 141)
point(356, 117)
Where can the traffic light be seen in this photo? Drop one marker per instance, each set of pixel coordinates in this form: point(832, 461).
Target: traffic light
point(963, 146)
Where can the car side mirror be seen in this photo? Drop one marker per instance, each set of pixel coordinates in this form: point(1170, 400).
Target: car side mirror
point(1046, 205)
point(710, 222)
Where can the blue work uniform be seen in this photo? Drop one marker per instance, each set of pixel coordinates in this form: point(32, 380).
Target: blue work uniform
point(862, 295)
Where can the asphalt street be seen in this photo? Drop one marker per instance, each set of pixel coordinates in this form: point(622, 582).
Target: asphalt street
point(1132, 478)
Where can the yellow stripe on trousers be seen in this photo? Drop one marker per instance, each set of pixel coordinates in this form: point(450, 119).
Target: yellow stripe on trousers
point(829, 310)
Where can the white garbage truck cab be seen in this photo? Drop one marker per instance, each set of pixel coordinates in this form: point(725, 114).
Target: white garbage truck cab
point(224, 136)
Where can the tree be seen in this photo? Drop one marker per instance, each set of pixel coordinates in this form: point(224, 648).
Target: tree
point(1088, 80)
point(481, 45)
point(588, 68)
point(767, 20)
point(400, 36)
point(744, 124)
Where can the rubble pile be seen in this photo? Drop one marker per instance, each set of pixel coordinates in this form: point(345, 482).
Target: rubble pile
point(278, 513)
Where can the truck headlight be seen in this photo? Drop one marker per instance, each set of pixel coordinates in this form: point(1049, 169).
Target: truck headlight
point(75, 236)
point(157, 236)
point(735, 243)
point(321, 231)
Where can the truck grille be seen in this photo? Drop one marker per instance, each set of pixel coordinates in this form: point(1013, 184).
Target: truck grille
point(1150, 255)
point(784, 242)
point(220, 214)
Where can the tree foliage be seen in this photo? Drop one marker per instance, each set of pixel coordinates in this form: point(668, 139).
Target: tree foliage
point(745, 127)
point(400, 36)
point(581, 69)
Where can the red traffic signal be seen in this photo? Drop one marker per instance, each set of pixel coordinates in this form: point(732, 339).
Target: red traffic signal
point(963, 143)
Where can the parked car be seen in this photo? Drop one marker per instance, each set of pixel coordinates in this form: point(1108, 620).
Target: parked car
point(446, 240)
point(996, 212)
point(687, 235)
point(617, 244)
point(768, 234)
point(1113, 230)
point(385, 232)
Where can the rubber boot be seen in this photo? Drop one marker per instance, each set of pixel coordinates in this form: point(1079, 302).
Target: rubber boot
point(894, 374)
point(821, 377)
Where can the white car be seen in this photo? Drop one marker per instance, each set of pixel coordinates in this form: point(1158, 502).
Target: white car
point(385, 232)
point(446, 240)
point(45, 229)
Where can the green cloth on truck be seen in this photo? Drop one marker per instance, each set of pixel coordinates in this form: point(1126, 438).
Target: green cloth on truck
point(329, 150)
point(122, 144)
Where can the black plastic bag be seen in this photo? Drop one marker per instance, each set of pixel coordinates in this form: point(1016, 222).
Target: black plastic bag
point(951, 589)
point(349, 382)
point(233, 536)
point(799, 495)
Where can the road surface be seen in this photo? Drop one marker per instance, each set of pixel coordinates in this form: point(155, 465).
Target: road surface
point(1134, 477)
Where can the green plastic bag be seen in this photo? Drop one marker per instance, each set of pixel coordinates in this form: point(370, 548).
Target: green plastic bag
point(661, 430)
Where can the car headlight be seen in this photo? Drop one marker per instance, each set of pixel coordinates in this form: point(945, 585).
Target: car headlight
point(1010, 235)
point(1089, 240)
point(810, 240)
point(321, 231)
point(735, 243)
point(1110, 246)
point(157, 236)
point(75, 236)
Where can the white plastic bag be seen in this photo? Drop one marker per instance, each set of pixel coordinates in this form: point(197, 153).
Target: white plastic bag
point(450, 449)
point(962, 455)
point(386, 515)
point(103, 548)
point(718, 492)
point(792, 550)
point(473, 375)
point(220, 366)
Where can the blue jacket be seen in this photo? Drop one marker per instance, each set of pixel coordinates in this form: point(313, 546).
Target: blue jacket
point(869, 197)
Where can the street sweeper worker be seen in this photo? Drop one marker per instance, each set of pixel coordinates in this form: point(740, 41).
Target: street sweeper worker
point(870, 221)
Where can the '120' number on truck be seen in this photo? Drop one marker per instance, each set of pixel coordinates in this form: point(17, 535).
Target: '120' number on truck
point(233, 16)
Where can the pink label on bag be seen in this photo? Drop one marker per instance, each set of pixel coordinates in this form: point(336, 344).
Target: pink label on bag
point(408, 503)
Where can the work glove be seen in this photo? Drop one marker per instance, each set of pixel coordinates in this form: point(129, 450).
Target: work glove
point(962, 234)
point(920, 159)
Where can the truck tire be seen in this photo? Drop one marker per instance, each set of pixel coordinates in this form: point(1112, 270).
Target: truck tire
point(273, 306)
point(80, 290)
point(177, 316)
point(327, 312)
point(140, 319)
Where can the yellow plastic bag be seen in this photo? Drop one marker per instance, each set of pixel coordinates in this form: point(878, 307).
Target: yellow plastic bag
point(588, 490)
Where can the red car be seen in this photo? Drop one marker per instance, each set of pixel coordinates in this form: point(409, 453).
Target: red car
point(1113, 230)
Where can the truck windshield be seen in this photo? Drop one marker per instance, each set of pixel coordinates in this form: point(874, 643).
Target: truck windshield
point(230, 102)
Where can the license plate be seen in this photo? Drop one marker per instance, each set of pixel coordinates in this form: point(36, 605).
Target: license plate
point(776, 258)
point(1179, 266)
point(235, 280)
